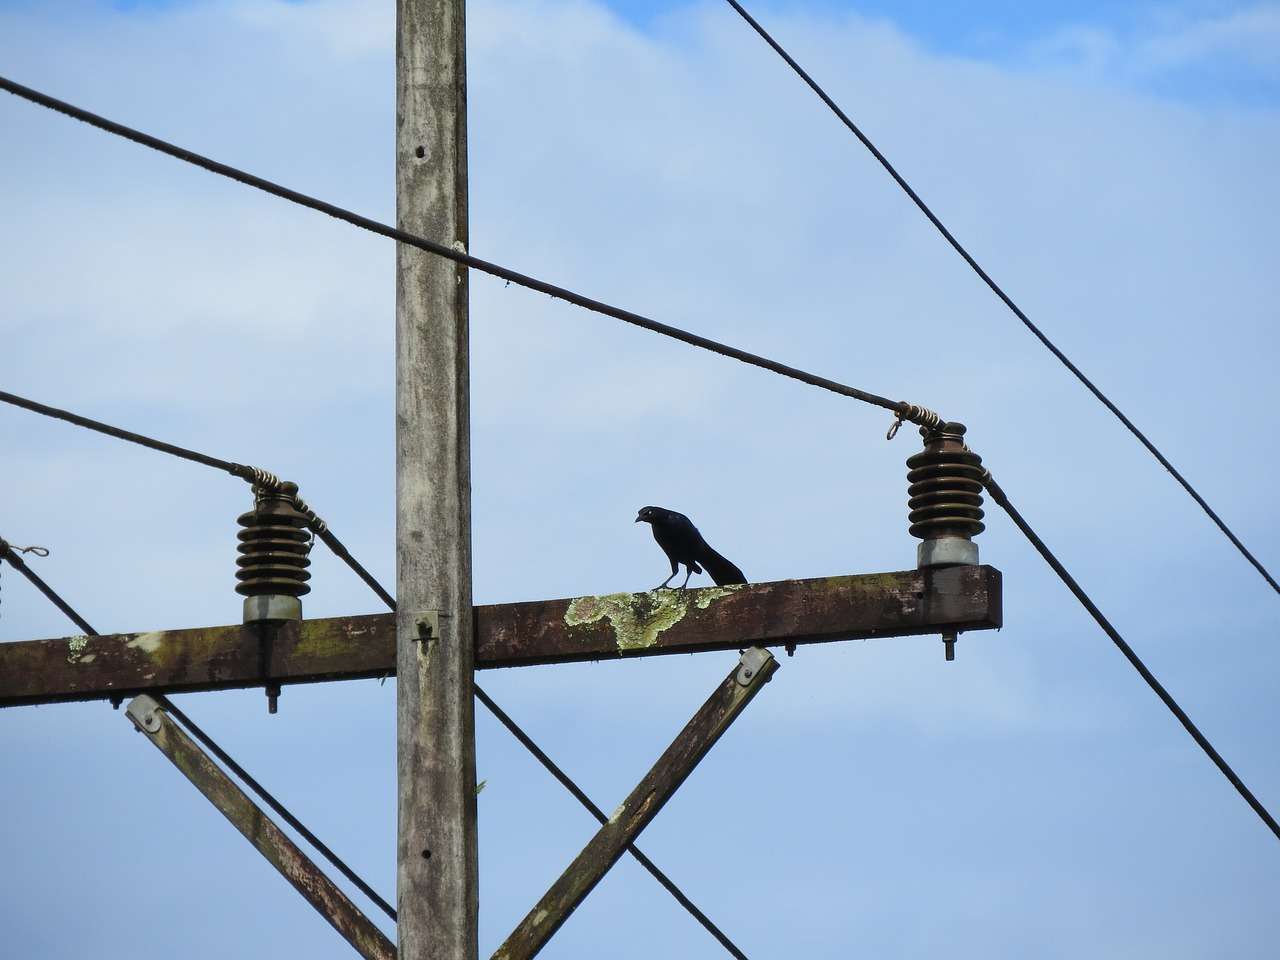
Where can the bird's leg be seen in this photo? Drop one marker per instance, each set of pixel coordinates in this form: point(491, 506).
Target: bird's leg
point(688, 572)
point(675, 568)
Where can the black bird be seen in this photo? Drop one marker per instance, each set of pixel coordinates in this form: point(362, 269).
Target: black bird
point(682, 543)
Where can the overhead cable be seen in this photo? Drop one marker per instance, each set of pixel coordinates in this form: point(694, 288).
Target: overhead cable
point(999, 496)
point(901, 408)
point(253, 475)
point(7, 553)
point(581, 796)
point(999, 292)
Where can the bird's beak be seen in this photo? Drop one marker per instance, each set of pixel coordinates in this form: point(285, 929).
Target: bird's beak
point(638, 519)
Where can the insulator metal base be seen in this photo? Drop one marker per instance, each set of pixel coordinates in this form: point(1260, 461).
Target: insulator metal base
point(946, 552)
point(272, 607)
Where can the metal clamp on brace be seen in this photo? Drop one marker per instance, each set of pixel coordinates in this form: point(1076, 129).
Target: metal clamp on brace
point(751, 663)
point(145, 713)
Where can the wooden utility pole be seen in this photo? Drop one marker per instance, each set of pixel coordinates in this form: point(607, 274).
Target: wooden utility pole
point(436, 878)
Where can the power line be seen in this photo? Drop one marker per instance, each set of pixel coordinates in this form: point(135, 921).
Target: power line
point(254, 475)
point(235, 469)
point(902, 409)
point(7, 553)
point(567, 782)
point(999, 292)
point(996, 492)
point(999, 496)
point(581, 796)
point(275, 805)
point(386, 598)
point(905, 410)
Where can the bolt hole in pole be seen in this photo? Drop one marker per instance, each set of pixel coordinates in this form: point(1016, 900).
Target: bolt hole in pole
point(426, 854)
point(945, 491)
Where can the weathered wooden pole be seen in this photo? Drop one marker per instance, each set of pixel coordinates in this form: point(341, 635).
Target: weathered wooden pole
point(436, 888)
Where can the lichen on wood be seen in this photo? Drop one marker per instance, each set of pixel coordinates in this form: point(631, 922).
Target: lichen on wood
point(638, 619)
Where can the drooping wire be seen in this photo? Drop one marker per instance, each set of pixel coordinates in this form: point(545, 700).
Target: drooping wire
point(235, 469)
point(902, 409)
point(999, 496)
point(6, 546)
point(275, 805)
point(999, 291)
point(567, 782)
point(581, 796)
point(253, 475)
point(7, 553)
point(442, 250)
point(708, 924)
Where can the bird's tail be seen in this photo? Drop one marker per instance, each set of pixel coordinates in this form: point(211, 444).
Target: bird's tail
point(721, 570)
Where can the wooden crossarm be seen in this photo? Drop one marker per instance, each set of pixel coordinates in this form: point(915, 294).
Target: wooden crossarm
point(510, 634)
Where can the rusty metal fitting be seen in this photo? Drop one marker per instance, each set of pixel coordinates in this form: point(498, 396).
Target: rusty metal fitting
point(945, 497)
point(274, 555)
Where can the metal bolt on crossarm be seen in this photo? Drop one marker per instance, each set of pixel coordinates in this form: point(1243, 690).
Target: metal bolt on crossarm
point(945, 502)
point(274, 556)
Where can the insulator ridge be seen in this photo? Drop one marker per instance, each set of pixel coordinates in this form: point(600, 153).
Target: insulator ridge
point(945, 497)
point(274, 545)
point(945, 494)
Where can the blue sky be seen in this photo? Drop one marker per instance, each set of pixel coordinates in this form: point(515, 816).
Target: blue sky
point(1111, 164)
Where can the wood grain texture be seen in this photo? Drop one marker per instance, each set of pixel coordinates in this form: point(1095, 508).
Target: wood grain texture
point(261, 831)
point(699, 735)
point(729, 618)
point(436, 856)
point(510, 634)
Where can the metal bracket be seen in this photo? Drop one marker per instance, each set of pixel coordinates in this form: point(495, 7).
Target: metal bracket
point(752, 662)
point(145, 713)
point(428, 624)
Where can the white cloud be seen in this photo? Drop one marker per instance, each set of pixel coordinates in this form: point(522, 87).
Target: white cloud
point(1170, 40)
point(687, 175)
point(1250, 35)
point(341, 28)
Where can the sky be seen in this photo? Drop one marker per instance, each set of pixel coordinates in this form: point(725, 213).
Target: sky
point(1111, 164)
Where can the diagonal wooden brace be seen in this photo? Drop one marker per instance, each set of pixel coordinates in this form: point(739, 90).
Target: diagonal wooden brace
point(638, 810)
point(151, 719)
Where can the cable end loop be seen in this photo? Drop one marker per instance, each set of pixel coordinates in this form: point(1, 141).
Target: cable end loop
point(5, 546)
point(923, 417)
